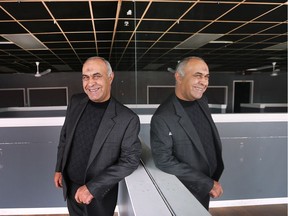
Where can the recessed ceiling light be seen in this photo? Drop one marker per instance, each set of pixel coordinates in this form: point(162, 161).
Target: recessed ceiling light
point(6, 42)
point(273, 58)
point(25, 41)
point(198, 40)
point(280, 46)
point(221, 42)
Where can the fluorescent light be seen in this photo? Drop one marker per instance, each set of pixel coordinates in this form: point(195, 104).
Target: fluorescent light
point(25, 41)
point(275, 58)
point(221, 42)
point(260, 68)
point(198, 40)
point(280, 46)
point(6, 42)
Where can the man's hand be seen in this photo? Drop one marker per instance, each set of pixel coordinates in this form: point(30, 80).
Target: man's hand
point(216, 191)
point(58, 179)
point(83, 195)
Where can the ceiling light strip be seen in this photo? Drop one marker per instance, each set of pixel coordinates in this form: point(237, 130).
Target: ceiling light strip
point(220, 42)
point(6, 42)
point(26, 41)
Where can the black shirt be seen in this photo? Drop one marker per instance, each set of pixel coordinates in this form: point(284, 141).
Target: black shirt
point(83, 139)
point(203, 128)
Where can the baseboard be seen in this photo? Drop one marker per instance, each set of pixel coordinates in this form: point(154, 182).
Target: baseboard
point(36, 211)
point(213, 204)
point(248, 202)
point(33, 211)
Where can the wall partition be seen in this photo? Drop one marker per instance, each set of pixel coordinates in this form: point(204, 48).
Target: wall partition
point(254, 152)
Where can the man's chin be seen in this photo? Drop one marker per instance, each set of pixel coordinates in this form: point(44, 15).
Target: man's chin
point(94, 98)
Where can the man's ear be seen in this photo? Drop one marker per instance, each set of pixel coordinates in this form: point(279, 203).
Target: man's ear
point(178, 77)
point(111, 77)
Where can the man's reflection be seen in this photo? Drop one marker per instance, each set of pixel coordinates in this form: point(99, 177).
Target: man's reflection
point(184, 139)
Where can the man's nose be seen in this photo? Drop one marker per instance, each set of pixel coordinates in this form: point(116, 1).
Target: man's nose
point(204, 80)
point(91, 81)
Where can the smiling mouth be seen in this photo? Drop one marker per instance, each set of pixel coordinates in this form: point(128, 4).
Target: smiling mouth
point(94, 89)
point(200, 89)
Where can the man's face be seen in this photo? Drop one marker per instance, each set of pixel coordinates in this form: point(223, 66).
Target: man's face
point(95, 80)
point(195, 81)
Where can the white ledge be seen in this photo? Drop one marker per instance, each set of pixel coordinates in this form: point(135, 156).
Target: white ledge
point(145, 119)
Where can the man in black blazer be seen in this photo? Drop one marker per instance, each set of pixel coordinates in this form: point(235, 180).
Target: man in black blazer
point(98, 145)
point(184, 138)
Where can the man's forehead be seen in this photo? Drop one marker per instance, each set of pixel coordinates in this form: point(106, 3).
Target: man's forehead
point(200, 70)
point(94, 63)
point(90, 69)
point(93, 67)
point(92, 72)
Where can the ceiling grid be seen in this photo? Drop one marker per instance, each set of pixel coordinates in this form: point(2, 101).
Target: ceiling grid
point(231, 36)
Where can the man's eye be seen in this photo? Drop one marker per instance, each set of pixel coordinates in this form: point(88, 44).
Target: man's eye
point(200, 76)
point(97, 76)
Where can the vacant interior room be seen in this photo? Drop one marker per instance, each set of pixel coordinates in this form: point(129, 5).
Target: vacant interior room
point(43, 45)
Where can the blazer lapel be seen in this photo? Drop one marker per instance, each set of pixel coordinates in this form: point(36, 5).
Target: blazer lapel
point(106, 125)
point(189, 128)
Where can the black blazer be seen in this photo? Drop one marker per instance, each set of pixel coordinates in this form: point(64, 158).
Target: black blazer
point(116, 150)
point(177, 149)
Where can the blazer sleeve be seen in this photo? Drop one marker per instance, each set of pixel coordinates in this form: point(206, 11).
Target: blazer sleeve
point(165, 160)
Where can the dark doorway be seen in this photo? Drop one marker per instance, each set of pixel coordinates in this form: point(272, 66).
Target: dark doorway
point(242, 94)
